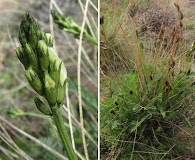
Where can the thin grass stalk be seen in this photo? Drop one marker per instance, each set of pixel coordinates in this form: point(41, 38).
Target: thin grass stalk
point(56, 6)
point(9, 141)
point(79, 83)
point(8, 153)
point(133, 147)
point(33, 139)
point(13, 144)
point(10, 145)
point(99, 69)
point(87, 20)
point(69, 117)
point(78, 124)
point(51, 21)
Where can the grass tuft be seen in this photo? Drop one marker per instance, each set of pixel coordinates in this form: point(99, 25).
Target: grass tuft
point(147, 85)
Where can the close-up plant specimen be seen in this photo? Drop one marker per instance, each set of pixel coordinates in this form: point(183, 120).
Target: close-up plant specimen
point(46, 74)
point(48, 79)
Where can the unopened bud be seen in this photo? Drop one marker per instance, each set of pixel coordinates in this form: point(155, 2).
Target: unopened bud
point(50, 90)
point(53, 55)
point(22, 37)
point(42, 107)
point(33, 39)
point(32, 56)
point(61, 93)
point(34, 80)
point(63, 74)
point(54, 71)
point(15, 113)
point(25, 24)
point(43, 54)
point(49, 39)
point(40, 35)
point(32, 21)
point(22, 57)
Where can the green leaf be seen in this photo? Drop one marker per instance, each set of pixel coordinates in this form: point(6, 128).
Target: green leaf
point(136, 124)
point(90, 101)
point(187, 121)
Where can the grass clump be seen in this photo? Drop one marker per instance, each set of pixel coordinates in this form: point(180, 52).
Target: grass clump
point(150, 101)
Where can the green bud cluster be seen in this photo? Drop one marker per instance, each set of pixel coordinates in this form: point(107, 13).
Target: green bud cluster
point(68, 25)
point(44, 70)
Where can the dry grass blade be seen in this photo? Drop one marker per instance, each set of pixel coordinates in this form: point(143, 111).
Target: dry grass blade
point(33, 139)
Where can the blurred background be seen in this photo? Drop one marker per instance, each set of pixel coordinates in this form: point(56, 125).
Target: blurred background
point(24, 132)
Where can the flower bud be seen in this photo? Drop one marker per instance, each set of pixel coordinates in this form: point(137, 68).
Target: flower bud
point(22, 37)
point(30, 19)
point(62, 84)
point(61, 93)
point(63, 74)
point(54, 71)
point(33, 38)
point(22, 57)
point(50, 90)
point(32, 57)
point(49, 39)
point(53, 55)
point(42, 107)
point(69, 21)
point(34, 80)
point(25, 24)
point(40, 35)
point(15, 113)
point(76, 27)
point(43, 54)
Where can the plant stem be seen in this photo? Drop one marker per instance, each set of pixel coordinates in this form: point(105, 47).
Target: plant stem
point(36, 115)
point(57, 117)
point(91, 39)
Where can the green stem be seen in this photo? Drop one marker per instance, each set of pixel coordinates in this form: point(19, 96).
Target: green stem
point(57, 117)
point(91, 39)
point(36, 115)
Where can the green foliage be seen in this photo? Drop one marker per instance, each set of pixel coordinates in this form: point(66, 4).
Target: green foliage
point(90, 100)
point(150, 117)
point(151, 90)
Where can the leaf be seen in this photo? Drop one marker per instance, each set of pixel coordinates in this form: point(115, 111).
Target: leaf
point(137, 124)
point(90, 101)
point(187, 121)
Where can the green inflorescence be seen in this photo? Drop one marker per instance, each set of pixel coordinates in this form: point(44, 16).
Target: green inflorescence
point(46, 73)
point(70, 26)
point(44, 70)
